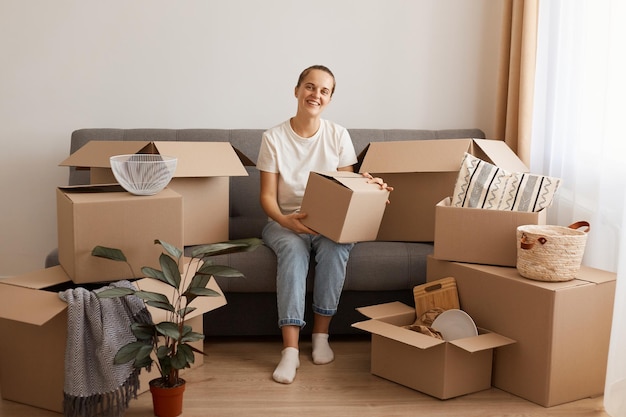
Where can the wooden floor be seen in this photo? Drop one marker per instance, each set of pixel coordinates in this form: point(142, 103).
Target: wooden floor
point(236, 381)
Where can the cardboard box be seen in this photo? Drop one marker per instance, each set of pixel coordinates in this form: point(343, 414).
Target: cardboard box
point(201, 177)
point(478, 235)
point(423, 172)
point(343, 207)
point(88, 216)
point(562, 329)
point(427, 364)
point(32, 357)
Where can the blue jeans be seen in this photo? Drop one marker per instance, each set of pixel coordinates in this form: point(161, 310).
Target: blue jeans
point(293, 252)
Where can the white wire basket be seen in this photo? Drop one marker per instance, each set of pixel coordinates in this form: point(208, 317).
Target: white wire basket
point(143, 174)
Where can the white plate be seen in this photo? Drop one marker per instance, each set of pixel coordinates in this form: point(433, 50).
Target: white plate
point(455, 324)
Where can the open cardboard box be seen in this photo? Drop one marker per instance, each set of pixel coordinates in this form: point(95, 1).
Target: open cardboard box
point(479, 235)
point(343, 206)
point(33, 322)
point(562, 329)
point(423, 172)
point(427, 364)
point(201, 177)
point(88, 216)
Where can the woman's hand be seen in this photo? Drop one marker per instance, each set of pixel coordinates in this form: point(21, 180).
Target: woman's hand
point(376, 180)
point(292, 222)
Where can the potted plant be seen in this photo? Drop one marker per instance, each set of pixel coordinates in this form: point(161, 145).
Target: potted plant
point(167, 344)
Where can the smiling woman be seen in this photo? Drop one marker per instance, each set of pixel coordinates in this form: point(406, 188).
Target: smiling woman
point(288, 153)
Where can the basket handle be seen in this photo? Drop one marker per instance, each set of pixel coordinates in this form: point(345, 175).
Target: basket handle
point(580, 224)
point(526, 244)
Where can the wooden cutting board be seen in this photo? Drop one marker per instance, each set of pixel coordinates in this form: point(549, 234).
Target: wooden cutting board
point(441, 293)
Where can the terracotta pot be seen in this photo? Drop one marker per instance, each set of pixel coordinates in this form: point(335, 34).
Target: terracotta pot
point(167, 402)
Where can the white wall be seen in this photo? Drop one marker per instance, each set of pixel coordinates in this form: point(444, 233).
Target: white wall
point(220, 64)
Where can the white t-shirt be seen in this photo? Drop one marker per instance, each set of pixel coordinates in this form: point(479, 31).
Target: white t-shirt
point(293, 157)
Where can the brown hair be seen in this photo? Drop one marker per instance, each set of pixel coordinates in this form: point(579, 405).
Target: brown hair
point(304, 73)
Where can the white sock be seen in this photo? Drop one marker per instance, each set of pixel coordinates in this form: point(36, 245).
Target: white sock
point(285, 372)
point(322, 353)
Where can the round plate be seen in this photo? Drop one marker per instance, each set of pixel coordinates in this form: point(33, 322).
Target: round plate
point(455, 324)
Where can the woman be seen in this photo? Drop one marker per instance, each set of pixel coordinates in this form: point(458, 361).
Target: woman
point(288, 152)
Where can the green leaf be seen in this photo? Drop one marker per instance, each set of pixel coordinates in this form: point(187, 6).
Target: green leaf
point(161, 306)
point(109, 253)
point(143, 331)
point(178, 360)
point(169, 329)
point(144, 362)
point(115, 292)
point(163, 352)
point(128, 352)
point(142, 354)
point(164, 360)
point(171, 249)
point(189, 356)
point(184, 311)
point(219, 271)
point(202, 292)
point(152, 296)
point(153, 273)
point(231, 246)
point(183, 357)
point(170, 269)
point(197, 287)
point(192, 337)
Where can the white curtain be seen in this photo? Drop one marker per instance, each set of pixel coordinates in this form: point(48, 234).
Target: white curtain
point(579, 135)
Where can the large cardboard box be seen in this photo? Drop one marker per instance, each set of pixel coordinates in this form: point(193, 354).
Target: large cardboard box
point(422, 173)
point(343, 206)
point(427, 364)
point(33, 322)
point(88, 216)
point(562, 329)
point(201, 177)
point(478, 235)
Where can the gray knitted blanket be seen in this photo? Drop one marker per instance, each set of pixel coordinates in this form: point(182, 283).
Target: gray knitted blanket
point(96, 329)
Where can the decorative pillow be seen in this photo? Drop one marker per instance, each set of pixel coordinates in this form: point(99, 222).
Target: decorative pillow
point(528, 192)
point(479, 184)
point(484, 185)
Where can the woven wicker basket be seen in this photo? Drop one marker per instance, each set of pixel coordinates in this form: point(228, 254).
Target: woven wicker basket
point(551, 253)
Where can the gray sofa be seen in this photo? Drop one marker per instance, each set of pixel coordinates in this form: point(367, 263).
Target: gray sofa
point(377, 271)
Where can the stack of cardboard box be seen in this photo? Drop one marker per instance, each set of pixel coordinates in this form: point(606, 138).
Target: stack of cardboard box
point(193, 209)
point(561, 330)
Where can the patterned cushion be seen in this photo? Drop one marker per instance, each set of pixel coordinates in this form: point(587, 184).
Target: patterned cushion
point(479, 184)
point(528, 192)
point(484, 185)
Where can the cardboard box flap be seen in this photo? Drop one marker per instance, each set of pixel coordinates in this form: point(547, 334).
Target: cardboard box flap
point(203, 159)
point(96, 153)
point(595, 276)
point(414, 156)
point(353, 181)
point(244, 158)
point(399, 334)
point(386, 310)
point(18, 298)
point(195, 159)
point(499, 153)
point(484, 341)
point(39, 279)
point(89, 189)
point(585, 276)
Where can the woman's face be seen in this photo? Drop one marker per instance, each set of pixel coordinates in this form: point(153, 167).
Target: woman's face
point(314, 92)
